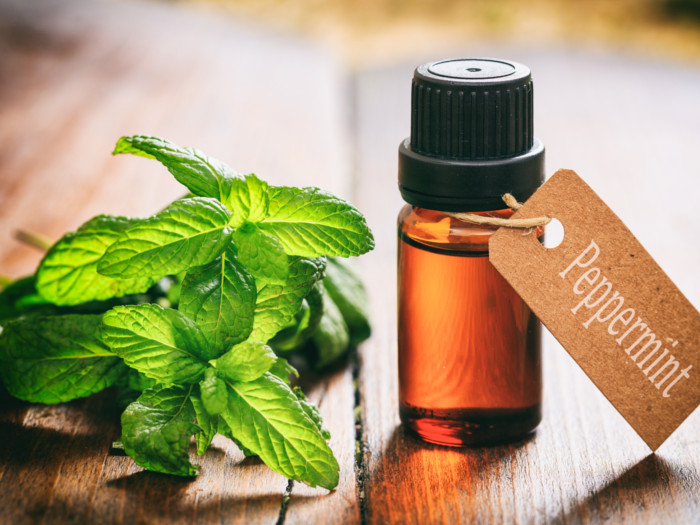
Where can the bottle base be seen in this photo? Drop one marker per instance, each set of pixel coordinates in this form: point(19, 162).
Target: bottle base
point(471, 427)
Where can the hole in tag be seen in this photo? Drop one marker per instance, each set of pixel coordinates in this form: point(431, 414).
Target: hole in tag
point(553, 234)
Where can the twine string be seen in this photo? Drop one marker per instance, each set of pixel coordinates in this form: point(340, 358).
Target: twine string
point(513, 204)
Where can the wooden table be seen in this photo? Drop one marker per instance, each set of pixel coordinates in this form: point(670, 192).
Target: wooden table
point(74, 76)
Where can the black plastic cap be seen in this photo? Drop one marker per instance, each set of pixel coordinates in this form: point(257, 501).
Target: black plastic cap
point(471, 136)
point(471, 109)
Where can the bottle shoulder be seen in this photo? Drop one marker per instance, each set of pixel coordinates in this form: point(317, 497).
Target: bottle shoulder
point(439, 230)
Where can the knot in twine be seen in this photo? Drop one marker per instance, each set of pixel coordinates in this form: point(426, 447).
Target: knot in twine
point(513, 204)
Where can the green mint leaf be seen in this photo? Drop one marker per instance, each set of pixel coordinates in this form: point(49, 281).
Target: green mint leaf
point(262, 255)
point(189, 232)
point(123, 146)
point(220, 298)
point(283, 370)
point(331, 338)
point(245, 195)
point(225, 431)
point(135, 380)
point(56, 359)
point(131, 386)
point(156, 430)
point(21, 300)
point(162, 344)
point(307, 320)
point(277, 304)
point(212, 401)
point(213, 391)
point(68, 273)
point(172, 294)
point(32, 302)
point(311, 411)
point(246, 361)
point(11, 304)
point(247, 198)
point(202, 175)
point(348, 293)
point(265, 416)
point(311, 222)
point(208, 424)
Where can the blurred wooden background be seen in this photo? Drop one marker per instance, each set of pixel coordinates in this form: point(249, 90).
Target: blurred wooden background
point(77, 74)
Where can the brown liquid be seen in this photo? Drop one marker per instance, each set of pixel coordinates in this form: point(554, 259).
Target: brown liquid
point(469, 347)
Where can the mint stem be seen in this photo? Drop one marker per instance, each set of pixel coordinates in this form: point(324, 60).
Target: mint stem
point(5, 281)
point(35, 240)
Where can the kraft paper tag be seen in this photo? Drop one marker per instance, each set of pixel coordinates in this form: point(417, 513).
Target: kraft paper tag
point(609, 304)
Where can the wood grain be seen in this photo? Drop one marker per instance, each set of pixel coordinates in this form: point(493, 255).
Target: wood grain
point(333, 395)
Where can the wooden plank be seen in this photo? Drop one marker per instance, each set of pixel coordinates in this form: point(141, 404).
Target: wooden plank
point(40, 450)
point(74, 76)
point(585, 464)
point(333, 395)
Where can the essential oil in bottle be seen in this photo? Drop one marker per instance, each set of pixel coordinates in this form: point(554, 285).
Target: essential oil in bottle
point(469, 347)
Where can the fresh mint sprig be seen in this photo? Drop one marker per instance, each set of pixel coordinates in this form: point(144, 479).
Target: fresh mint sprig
point(187, 307)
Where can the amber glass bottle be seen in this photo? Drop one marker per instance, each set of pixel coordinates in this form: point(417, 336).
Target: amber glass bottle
point(469, 347)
